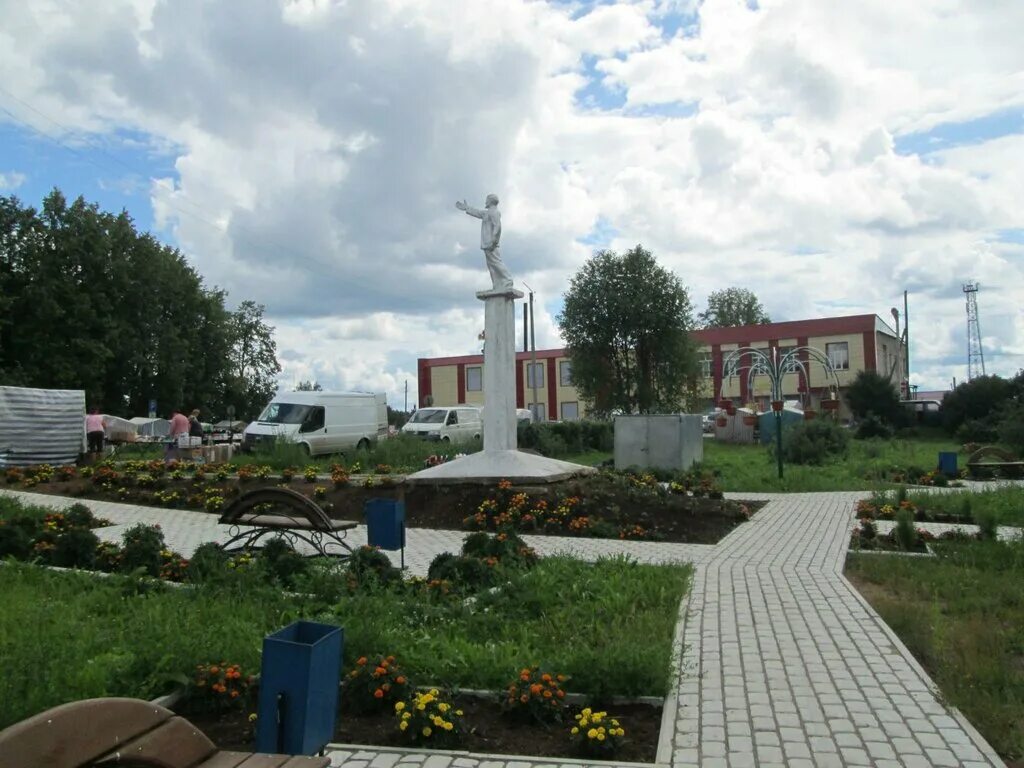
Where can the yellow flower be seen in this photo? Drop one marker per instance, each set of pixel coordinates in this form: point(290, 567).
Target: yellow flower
point(592, 733)
point(458, 712)
point(443, 707)
point(421, 707)
point(584, 723)
point(585, 712)
point(399, 706)
point(600, 737)
point(426, 730)
point(448, 726)
point(403, 725)
point(575, 730)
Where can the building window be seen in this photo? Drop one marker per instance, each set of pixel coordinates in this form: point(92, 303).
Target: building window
point(565, 373)
point(534, 375)
point(839, 355)
point(759, 365)
point(705, 366)
point(789, 366)
point(730, 366)
point(539, 411)
point(474, 378)
point(570, 411)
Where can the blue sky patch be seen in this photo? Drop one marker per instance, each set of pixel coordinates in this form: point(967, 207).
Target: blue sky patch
point(602, 233)
point(1004, 122)
point(113, 171)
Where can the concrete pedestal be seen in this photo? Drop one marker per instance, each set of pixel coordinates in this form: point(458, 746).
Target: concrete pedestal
point(499, 369)
point(499, 459)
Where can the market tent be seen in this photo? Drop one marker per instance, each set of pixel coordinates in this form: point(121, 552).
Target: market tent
point(117, 429)
point(145, 427)
point(233, 426)
point(41, 426)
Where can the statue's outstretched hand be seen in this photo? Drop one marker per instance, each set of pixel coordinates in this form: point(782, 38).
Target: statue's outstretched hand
point(461, 205)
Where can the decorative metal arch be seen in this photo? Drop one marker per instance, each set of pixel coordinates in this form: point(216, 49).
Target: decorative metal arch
point(775, 367)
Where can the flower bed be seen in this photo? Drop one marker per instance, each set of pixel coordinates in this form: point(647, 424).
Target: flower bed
point(609, 505)
point(486, 729)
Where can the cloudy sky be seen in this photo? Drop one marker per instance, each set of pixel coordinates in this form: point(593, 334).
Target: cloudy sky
point(307, 154)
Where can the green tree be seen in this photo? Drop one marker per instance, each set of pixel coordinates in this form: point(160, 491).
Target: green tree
point(872, 393)
point(626, 323)
point(976, 405)
point(88, 302)
point(253, 361)
point(730, 307)
point(308, 386)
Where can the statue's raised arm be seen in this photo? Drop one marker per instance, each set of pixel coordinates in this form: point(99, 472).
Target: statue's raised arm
point(490, 240)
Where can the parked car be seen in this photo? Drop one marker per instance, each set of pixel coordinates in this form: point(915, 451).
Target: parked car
point(456, 425)
point(321, 422)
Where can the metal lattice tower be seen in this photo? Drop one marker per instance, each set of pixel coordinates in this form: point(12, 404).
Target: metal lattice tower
point(975, 355)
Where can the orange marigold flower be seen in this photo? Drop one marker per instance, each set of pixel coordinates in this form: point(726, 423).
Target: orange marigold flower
point(400, 679)
point(560, 694)
point(535, 688)
point(378, 694)
point(380, 671)
point(214, 670)
point(547, 694)
point(546, 677)
point(234, 694)
point(524, 698)
point(361, 660)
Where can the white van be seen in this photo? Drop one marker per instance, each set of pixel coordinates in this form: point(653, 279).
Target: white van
point(455, 425)
point(321, 422)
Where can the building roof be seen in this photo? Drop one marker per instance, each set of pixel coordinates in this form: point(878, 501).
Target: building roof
point(794, 329)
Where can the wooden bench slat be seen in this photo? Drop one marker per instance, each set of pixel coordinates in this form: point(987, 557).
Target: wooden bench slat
point(56, 738)
point(175, 743)
point(281, 521)
point(225, 760)
point(303, 761)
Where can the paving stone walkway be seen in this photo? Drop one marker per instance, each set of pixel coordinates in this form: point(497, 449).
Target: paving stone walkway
point(783, 662)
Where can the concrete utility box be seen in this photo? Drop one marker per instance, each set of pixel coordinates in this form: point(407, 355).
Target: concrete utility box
point(664, 441)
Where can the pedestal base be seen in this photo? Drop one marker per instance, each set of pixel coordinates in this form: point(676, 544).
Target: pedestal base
point(489, 467)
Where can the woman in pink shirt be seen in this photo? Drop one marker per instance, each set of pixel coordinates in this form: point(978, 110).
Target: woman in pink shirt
point(94, 427)
point(179, 426)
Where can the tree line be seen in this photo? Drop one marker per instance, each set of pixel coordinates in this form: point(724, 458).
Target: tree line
point(88, 302)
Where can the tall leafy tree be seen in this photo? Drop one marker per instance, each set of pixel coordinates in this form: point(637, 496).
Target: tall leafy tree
point(308, 386)
point(872, 393)
point(253, 357)
point(88, 302)
point(730, 307)
point(626, 322)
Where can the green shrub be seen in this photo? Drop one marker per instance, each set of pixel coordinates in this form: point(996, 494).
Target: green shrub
point(76, 548)
point(79, 516)
point(906, 534)
point(872, 426)
point(209, 562)
point(283, 562)
point(562, 438)
point(368, 567)
point(815, 442)
point(987, 521)
point(15, 542)
point(463, 573)
point(141, 548)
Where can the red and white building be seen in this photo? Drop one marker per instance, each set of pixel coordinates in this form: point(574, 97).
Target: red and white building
point(853, 343)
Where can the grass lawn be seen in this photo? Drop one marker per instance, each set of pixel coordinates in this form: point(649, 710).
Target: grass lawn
point(962, 616)
point(1006, 504)
point(752, 467)
point(67, 636)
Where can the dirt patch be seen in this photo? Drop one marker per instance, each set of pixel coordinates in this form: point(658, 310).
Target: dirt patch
point(486, 729)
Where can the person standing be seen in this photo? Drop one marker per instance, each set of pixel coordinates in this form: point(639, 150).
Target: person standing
point(95, 427)
point(195, 427)
point(179, 427)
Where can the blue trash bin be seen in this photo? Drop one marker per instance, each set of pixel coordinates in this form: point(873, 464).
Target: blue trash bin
point(947, 463)
point(299, 679)
point(385, 523)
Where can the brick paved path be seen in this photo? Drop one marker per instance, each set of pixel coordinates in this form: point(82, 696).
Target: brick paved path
point(783, 663)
